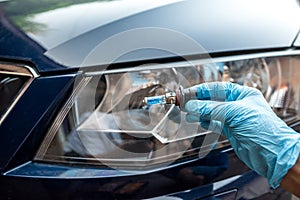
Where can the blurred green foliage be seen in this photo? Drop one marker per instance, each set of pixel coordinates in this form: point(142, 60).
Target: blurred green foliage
point(27, 7)
point(20, 11)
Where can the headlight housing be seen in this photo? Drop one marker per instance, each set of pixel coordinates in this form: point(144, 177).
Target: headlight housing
point(106, 123)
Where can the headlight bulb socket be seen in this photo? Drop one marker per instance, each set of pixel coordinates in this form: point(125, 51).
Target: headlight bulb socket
point(178, 98)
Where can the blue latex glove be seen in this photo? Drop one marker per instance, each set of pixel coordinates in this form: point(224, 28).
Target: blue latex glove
point(260, 139)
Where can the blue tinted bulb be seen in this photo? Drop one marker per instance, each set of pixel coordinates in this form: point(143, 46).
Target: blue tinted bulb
point(155, 100)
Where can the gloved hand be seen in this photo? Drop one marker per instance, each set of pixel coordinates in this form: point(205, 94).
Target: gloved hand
point(260, 139)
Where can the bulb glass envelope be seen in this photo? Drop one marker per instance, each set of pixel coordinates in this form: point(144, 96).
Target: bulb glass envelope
point(109, 124)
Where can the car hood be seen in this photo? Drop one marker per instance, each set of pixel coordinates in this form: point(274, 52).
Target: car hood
point(105, 32)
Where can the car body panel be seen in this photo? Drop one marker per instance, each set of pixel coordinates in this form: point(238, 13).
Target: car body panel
point(16, 45)
point(58, 50)
point(90, 183)
point(18, 126)
point(251, 30)
point(229, 33)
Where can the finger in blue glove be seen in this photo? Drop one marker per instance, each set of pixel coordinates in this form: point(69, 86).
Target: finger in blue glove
point(261, 139)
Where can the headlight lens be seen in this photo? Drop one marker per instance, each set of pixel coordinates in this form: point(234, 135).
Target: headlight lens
point(276, 77)
point(108, 124)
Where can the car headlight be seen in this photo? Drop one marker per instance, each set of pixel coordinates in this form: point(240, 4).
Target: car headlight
point(276, 77)
point(106, 123)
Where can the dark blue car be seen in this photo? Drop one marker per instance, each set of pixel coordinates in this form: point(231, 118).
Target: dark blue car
point(75, 77)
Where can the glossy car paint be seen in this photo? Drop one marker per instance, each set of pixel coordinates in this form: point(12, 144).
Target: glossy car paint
point(36, 108)
point(217, 29)
point(250, 31)
point(210, 21)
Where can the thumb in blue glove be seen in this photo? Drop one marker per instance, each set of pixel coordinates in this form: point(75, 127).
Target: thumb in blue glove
point(260, 139)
